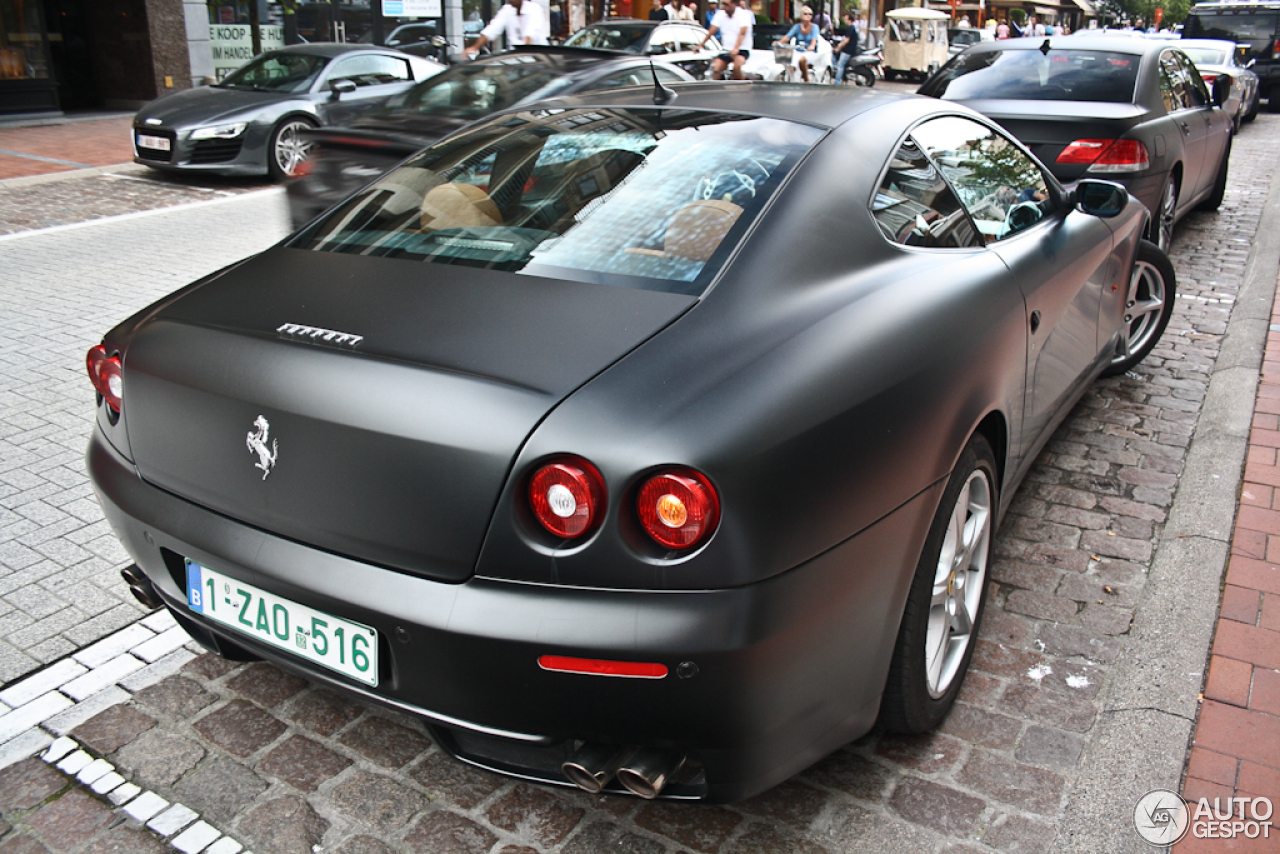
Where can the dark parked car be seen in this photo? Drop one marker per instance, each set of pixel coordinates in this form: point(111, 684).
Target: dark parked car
point(345, 159)
point(1252, 24)
point(677, 42)
point(1212, 58)
point(961, 38)
point(580, 437)
point(250, 123)
point(1132, 110)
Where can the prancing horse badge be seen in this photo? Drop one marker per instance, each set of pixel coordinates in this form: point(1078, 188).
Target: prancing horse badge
point(257, 443)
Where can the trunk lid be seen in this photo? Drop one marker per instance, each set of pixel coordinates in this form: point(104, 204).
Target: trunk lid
point(1048, 127)
point(244, 397)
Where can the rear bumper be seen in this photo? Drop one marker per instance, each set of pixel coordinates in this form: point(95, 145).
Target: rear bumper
point(783, 671)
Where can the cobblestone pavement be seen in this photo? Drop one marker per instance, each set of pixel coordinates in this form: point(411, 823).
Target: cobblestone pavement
point(69, 197)
point(281, 765)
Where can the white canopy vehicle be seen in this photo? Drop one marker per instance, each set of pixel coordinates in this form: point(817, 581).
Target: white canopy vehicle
point(915, 42)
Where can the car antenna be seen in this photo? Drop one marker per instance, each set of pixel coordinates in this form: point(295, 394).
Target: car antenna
point(1044, 48)
point(661, 94)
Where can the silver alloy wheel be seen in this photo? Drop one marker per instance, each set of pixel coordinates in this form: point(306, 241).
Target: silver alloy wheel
point(1168, 205)
point(290, 148)
point(958, 582)
point(1142, 309)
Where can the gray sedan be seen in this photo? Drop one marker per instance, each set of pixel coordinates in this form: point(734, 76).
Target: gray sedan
point(1217, 57)
point(249, 123)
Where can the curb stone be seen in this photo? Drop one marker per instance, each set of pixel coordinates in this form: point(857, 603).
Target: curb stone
point(1148, 721)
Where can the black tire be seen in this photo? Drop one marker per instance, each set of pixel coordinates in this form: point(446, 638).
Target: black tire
point(1253, 108)
point(916, 696)
point(1214, 200)
point(1152, 290)
point(864, 76)
point(284, 150)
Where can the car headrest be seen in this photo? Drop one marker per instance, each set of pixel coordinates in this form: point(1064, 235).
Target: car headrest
point(458, 206)
point(697, 229)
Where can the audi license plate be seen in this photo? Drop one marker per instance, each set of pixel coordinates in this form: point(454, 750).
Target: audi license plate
point(332, 642)
point(156, 143)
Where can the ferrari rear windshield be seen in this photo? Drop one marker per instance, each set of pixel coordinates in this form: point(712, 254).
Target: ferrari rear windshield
point(1030, 74)
point(645, 198)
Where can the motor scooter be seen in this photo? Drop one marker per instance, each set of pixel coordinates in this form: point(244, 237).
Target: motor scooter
point(864, 68)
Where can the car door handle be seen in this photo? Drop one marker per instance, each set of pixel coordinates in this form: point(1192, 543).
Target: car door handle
point(1186, 128)
point(1035, 321)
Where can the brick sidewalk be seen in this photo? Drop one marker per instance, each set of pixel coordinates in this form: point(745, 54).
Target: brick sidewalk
point(62, 147)
point(1237, 740)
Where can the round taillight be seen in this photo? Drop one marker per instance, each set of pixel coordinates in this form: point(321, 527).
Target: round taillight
point(679, 508)
point(104, 373)
point(567, 496)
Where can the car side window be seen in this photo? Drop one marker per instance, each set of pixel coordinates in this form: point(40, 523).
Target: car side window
point(1186, 94)
point(915, 207)
point(1003, 189)
point(1197, 91)
point(370, 70)
point(1168, 86)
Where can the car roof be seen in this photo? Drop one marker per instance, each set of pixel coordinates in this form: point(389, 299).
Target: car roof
point(1136, 45)
point(331, 48)
point(567, 60)
point(825, 106)
point(1214, 44)
point(1241, 5)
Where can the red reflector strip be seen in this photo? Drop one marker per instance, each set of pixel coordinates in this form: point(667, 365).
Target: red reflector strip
point(599, 667)
point(359, 140)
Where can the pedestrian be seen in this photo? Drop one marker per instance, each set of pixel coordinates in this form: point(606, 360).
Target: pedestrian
point(847, 48)
point(659, 13)
point(1037, 26)
point(1002, 30)
point(734, 25)
point(804, 36)
point(687, 11)
point(823, 20)
point(521, 21)
point(964, 23)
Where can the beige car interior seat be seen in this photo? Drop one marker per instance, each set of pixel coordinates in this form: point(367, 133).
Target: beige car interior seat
point(458, 206)
point(696, 230)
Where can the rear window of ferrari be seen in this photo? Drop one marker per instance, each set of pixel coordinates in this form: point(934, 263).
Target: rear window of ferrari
point(1030, 74)
point(644, 198)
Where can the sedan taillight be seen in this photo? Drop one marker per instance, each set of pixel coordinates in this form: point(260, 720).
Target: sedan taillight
point(104, 373)
point(1107, 155)
point(567, 497)
point(1208, 77)
point(678, 508)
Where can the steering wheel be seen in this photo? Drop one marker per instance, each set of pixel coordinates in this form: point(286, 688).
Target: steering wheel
point(1020, 216)
point(733, 185)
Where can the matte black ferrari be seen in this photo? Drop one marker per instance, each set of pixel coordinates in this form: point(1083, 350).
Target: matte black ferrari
point(584, 437)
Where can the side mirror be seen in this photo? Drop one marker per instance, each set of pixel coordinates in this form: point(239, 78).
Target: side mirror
point(1221, 90)
point(1103, 199)
point(342, 87)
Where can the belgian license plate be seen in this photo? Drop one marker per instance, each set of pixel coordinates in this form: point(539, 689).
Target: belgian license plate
point(332, 642)
point(158, 143)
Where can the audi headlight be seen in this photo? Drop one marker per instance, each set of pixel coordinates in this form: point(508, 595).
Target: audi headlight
point(220, 131)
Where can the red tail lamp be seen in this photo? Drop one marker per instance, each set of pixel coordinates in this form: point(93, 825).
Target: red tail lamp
point(1107, 155)
point(602, 667)
point(567, 496)
point(678, 508)
point(104, 373)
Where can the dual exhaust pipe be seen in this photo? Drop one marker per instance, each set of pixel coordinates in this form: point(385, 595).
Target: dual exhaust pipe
point(141, 587)
point(644, 772)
